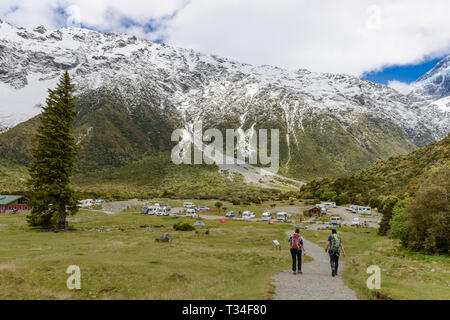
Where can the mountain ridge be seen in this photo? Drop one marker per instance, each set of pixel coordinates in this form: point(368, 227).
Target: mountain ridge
point(329, 124)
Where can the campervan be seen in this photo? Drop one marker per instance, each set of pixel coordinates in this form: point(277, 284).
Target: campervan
point(151, 210)
point(246, 215)
point(335, 221)
point(266, 216)
point(191, 213)
point(162, 211)
point(86, 203)
point(188, 205)
point(364, 210)
point(356, 222)
point(329, 204)
point(282, 216)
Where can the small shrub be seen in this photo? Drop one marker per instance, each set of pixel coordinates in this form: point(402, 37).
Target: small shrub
point(183, 227)
point(236, 202)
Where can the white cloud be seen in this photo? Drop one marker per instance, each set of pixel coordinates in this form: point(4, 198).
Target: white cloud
point(74, 15)
point(349, 36)
point(401, 87)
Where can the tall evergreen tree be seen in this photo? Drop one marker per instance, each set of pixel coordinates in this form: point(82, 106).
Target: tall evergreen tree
point(54, 160)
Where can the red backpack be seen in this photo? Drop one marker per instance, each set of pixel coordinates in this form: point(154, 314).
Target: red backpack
point(295, 241)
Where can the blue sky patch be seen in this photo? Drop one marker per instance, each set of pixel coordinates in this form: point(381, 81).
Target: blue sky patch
point(407, 73)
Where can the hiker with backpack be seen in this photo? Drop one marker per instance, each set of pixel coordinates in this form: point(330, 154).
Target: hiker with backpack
point(296, 244)
point(335, 246)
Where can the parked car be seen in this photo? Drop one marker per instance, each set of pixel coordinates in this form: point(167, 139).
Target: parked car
point(246, 215)
point(152, 210)
point(204, 208)
point(323, 208)
point(191, 213)
point(162, 211)
point(364, 211)
point(266, 216)
point(144, 210)
point(356, 222)
point(188, 205)
point(335, 221)
point(99, 201)
point(329, 204)
point(86, 203)
point(230, 214)
point(282, 216)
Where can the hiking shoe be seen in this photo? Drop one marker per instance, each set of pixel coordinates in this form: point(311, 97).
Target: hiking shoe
point(300, 271)
point(294, 272)
point(332, 273)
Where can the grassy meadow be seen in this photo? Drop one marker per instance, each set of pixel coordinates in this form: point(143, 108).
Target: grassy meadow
point(119, 259)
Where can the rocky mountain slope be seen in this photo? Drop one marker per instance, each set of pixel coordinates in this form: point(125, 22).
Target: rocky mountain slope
point(431, 92)
point(133, 93)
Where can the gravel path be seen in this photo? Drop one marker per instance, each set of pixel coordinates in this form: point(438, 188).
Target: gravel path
point(316, 282)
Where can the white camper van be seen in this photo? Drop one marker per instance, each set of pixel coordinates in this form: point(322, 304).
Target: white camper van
point(365, 211)
point(266, 216)
point(86, 203)
point(329, 204)
point(162, 211)
point(190, 213)
point(247, 215)
point(282, 216)
point(335, 221)
point(152, 210)
point(188, 205)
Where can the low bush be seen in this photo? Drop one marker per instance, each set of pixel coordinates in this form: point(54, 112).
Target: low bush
point(183, 227)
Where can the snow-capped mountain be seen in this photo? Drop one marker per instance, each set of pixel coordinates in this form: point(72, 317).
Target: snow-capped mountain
point(431, 93)
point(362, 120)
point(435, 84)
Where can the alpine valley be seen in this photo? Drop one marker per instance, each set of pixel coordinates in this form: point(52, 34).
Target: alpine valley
point(132, 94)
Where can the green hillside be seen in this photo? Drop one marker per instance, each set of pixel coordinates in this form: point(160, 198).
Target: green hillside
point(396, 176)
point(12, 177)
point(157, 176)
point(152, 176)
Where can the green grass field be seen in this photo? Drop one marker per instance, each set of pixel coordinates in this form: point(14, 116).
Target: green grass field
point(119, 259)
point(404, 274)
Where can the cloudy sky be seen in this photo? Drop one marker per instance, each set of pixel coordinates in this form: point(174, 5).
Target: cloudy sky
point(388, 41)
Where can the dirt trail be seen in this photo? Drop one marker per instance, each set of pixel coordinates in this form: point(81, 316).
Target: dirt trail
point(316, 282)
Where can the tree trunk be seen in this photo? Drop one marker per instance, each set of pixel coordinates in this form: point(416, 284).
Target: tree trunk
point(62, 224)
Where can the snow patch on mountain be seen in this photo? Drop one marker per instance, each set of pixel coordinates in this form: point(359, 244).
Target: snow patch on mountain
point(443, 104)
point(18, 105)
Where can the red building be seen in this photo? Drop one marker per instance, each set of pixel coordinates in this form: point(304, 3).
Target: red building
point(11, 203)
